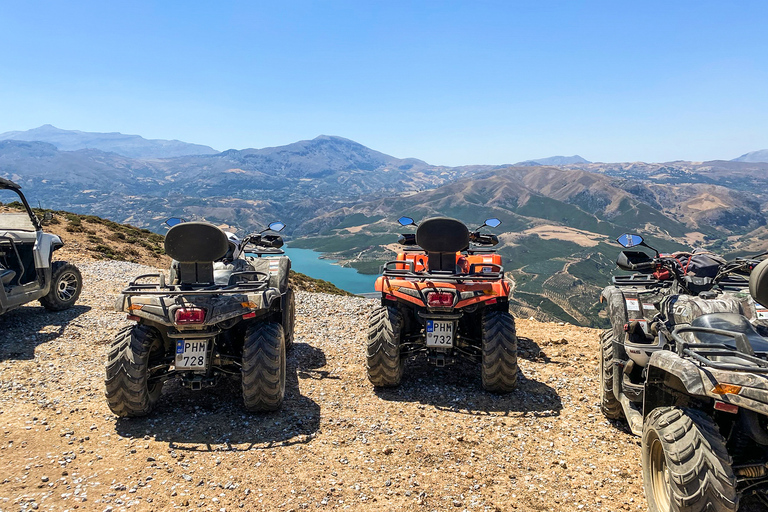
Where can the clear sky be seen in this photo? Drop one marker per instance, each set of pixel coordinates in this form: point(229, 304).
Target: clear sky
point(485, 82)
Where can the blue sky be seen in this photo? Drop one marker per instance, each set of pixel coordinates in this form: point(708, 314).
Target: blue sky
point(452, 83)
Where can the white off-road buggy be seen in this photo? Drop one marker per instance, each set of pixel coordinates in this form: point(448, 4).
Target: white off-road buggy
point(27, 272)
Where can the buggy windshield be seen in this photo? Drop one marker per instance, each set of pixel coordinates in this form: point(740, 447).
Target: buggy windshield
point(13, 217)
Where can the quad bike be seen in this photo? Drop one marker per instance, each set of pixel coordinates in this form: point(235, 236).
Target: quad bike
point(445, 295)
point(27, 272)
point(226, 311)
point(686, 363)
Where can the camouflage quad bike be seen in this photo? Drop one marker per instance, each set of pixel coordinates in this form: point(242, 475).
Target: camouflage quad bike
point(27, 272)
point(445, 295)
point(686, 363)
point(210, 321)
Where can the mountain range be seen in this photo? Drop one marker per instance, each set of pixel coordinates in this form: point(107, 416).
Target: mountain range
point(342, 198)
point(132, 146)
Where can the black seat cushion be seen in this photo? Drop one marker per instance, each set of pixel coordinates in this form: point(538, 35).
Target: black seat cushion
point(6, 276)
point(728, 322)
point(442, 235)
point(196, 242)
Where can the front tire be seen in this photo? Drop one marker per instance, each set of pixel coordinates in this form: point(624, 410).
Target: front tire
point(263, 367)
point(289, 317)
point(686, 466)
point(66, 285)
point(129, 392)
point(383, 361)
point(499, 344)
point(609, 405)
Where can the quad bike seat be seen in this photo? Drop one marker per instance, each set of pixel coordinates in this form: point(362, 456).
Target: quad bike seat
point(442, 238)
point(6, 276)
point(194, 246)
point(728, 322)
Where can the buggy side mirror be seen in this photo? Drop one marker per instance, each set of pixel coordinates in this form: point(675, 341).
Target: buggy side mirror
point(627, 240)
point(276, 226)
point(173, 221)
point(405, 221)
point(492, 222)
point(47, 217)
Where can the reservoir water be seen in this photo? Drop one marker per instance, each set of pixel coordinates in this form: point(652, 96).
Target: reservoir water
point(308, 262)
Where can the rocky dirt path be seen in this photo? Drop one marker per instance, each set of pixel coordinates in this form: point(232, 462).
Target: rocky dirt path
point(437, 443)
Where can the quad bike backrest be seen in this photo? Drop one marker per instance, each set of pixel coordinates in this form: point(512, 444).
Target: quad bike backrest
point(758, 283)
point(195, 246)
point(441, 238)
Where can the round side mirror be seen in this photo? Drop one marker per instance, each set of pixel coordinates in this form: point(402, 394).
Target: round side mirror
point(627, 240)
point(277, 226)
point(405, 221)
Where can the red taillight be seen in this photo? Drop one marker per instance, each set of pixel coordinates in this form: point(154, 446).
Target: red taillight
point(439, 299)
point(190, 316)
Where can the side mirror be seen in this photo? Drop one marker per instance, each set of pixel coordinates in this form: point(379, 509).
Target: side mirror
point(627, 240)
point(492, 222)
point(173, 221)
point(47, 217)
point(277, 226)
point(405, 221)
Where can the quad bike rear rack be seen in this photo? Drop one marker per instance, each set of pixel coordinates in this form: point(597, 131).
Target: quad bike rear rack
point(635, 280)
point(702, 352)
point(161, 288)
point(441, 276)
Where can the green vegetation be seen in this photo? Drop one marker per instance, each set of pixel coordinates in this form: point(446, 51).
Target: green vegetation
point(357, 219)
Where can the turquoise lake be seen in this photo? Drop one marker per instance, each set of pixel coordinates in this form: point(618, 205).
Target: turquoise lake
point(308, 262)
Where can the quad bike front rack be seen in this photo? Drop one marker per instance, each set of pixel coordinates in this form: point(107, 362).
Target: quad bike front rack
point(703, 352)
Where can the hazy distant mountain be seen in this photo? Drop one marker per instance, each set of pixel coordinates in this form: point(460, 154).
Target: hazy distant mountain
point(753, 156)
point(133, 146)
point(553, 160)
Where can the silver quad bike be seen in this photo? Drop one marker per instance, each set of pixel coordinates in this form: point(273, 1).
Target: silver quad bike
point(686, 364)
point(27, 269)
point(220, 314)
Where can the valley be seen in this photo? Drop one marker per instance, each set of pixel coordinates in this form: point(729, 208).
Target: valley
point(342, 199)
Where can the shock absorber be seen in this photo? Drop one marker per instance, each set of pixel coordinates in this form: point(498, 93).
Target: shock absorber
point(752, 471)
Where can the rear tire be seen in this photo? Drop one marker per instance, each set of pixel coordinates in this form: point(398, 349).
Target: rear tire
point(686, 466)
point(499, 363)
point(66, 285)
point(383, 361)
point(263, 367)
point(289, 317)
point(610, 406)
point(129, 394)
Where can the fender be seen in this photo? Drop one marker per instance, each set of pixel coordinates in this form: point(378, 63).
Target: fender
point(669, 374)
point(44, 247)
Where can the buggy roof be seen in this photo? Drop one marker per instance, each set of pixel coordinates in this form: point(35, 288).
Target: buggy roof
point(4, 183)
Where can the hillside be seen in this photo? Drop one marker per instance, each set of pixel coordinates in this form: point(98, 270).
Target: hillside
point(557, 233)
point(340, 197)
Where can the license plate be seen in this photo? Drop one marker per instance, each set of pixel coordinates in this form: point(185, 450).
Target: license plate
point(439, 333)
point(191, 354)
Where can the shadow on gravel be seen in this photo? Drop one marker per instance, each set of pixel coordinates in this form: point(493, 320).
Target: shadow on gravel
point(214, 419)
point(458, 388)
point(23, 329)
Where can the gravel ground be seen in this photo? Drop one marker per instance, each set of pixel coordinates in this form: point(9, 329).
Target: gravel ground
point(438, 442)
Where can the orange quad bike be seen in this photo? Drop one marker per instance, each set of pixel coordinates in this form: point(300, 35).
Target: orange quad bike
point(445, 295)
